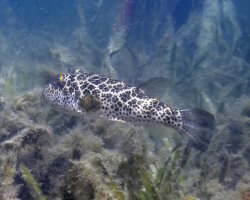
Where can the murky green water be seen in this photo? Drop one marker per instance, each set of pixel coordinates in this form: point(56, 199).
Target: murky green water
point(188, 54)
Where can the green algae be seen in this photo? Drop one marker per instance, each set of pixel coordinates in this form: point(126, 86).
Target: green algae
point(8, 85)
point(31, 182)
point(24, 80)
point(189, 197)
point(195, 69)
point(148, 190)
point(169, 180)
point(7, 170)
point(140, 183)
point(166, 185)
point(116, 191)
point(159, 176)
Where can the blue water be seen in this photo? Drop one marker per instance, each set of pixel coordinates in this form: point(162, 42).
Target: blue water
point(188, 54)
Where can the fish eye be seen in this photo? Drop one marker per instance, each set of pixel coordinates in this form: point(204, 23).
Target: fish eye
point(59, 78)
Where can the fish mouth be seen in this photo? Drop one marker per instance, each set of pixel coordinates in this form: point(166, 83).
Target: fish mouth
point(48, 95)
point(44, 94)
point(55, 97)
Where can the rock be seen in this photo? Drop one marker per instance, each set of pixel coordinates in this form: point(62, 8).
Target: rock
point(38, 137)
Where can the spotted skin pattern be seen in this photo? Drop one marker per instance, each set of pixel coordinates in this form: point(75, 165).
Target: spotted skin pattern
point(119, 101)
point(95, 95)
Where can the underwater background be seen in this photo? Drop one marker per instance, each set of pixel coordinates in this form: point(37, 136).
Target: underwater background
point(187, 53)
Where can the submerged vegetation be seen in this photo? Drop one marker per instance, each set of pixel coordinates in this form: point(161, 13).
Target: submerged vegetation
point(31, 182)
point(186, 53)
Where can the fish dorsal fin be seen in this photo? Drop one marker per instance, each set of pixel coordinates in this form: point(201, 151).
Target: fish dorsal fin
point(77, 71)
point(138, 89)
point(154, 87)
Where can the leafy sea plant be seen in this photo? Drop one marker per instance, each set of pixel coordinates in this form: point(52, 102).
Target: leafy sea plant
point(7, 172)
point(31, 182)
point(148, 190)
point(141, 185)
point(116, 191)
point(8, 84)
point(167, 184)
point(24, 80)
point(189, 197)
point(169, 178)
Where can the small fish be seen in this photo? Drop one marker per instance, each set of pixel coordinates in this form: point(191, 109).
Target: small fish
point(84, 94)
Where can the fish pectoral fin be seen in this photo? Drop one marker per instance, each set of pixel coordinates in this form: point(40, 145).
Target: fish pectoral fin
point(77, 70)
point(154, 87)
point(116, 119)
point(90, 103)
point(112, 118)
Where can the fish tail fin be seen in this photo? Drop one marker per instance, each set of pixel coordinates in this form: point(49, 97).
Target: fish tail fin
point(199, 126)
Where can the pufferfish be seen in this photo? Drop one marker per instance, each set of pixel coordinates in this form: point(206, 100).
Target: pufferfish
point(84, 94)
